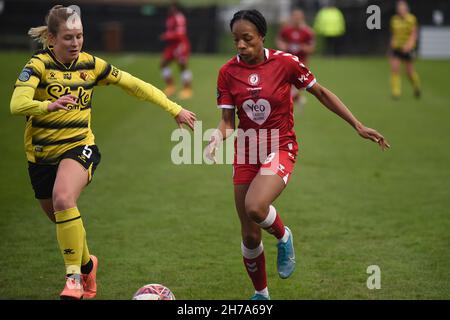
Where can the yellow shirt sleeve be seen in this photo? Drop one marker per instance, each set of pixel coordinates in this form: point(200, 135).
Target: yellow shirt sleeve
point(145, 91)
point(22, 100)
point(22, 103)
point(108, 74)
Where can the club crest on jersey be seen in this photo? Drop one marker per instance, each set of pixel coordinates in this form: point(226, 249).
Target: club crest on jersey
point(253, 79)
point(83, 75)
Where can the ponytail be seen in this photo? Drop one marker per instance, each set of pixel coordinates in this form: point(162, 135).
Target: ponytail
point(39, 34)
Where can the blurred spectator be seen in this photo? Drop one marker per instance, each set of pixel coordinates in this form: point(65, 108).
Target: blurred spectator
point(402, 49)
point(330, 24)
point(177, 48)
point(297, 38)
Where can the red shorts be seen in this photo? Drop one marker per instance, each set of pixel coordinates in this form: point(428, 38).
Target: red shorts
point(179, 51)
point(281, 164)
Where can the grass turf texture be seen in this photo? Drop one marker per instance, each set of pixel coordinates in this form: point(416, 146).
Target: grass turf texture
point(148, 221)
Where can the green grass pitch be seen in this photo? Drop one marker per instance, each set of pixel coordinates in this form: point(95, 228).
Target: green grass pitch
point(149, 221)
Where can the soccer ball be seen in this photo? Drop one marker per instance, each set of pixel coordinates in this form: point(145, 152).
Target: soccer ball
point(153, 291)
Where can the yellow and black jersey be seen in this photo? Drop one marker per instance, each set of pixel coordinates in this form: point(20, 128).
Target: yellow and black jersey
point(44, 79)
point(401, 29)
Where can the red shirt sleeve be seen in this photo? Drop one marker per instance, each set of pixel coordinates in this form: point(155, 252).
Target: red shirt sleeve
point(300, 76)
point(224, 98)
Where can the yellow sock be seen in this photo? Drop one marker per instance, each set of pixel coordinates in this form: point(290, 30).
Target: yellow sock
point(415, 80)
point(86, 255)
point(69, 232)
point(395, 84)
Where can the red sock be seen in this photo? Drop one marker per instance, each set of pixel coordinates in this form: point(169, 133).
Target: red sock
point(273, 224)
point(255, 266)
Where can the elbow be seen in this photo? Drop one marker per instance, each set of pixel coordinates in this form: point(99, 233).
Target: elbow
point(14, 108)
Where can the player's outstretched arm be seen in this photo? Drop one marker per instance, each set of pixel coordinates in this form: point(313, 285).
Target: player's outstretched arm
point(333, 103)
point(145, 91)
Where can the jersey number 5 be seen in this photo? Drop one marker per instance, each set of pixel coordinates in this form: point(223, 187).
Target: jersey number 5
point(87, 152)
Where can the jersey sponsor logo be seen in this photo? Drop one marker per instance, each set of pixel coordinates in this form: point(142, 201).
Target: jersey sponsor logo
point(255, 92)
point(253, 79)
point(68, 76)
point(56, 91)
point(257, 111)
point(25, 74)
point(115, 72)
point(52, 75)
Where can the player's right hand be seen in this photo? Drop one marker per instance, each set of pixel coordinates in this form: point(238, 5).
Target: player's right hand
point(211, 148)
point(186, 117)
point(62, 102)
point(374, 135)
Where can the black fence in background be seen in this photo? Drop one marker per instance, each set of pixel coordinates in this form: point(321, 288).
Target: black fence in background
point(118, 27)
point(133, 27)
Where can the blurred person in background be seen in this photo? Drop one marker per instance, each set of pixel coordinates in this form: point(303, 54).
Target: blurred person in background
point(177, 48)
point(402, 49)
point(297, 38)
point(54, 93)
point(330, 25)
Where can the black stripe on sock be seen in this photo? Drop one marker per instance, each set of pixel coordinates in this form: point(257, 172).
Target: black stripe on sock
point(59, 222)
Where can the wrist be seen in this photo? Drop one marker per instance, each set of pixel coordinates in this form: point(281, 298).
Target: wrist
point(176, 111)
point(44, 107)
point(358, 126)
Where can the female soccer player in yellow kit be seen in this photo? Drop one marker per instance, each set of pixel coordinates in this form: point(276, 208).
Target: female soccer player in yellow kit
point(402, 48)
point(54, 92)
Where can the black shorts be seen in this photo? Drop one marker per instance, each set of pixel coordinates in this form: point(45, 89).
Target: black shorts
point(43, 175)
point(405, 56)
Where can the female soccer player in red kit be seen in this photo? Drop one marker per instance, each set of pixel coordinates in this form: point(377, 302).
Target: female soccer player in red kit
point(256, 85)
point(177, 48)
point(297, 38)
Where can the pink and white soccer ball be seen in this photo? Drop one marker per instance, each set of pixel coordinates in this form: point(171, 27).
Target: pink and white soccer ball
point(154, 291)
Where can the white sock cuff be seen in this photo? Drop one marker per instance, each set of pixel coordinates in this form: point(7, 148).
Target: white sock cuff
point(166, 72)
point(252, 253)
point(186, 76)
point(268, 221)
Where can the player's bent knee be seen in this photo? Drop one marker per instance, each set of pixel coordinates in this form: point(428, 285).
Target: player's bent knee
point(255, 210)
point(63, 200)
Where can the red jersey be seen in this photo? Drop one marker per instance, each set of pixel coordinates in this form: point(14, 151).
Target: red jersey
point(295, 38)
point(262, 94)
point(176, 30)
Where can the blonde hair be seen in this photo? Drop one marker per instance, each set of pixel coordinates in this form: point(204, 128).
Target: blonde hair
point(57, 15)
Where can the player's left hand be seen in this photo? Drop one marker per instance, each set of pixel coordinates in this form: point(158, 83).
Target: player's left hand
point(186, 117)
point(374, 135)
